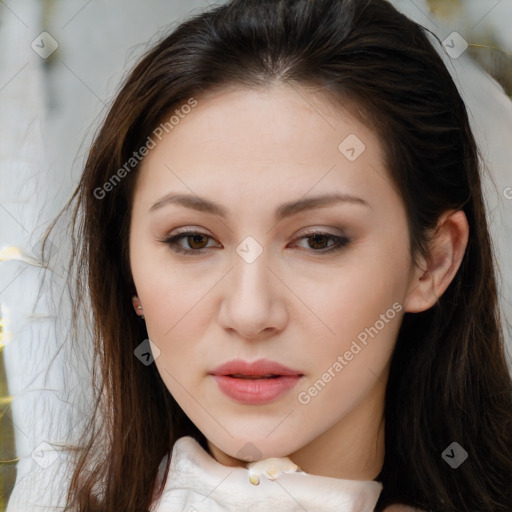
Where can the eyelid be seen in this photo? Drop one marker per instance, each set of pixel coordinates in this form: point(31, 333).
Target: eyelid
point(308, 231)
point(171, 239)
point(322, 231)
point(187, 229)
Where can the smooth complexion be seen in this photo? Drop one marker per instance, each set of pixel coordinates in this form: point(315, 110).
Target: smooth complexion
point(249, 152)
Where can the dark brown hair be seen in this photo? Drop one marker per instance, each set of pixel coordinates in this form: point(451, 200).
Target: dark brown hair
point(449, 380)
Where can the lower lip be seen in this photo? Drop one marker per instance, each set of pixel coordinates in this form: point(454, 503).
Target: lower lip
point(256, 391)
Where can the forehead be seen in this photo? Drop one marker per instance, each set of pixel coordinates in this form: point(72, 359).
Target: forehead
point(264, 142)
point(278, 116)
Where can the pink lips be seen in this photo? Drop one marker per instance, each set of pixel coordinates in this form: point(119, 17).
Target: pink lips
point(253, 383)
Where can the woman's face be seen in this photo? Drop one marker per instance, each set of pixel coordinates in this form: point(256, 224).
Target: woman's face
point(249, 172)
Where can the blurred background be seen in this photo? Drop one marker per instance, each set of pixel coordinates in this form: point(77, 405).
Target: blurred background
point(61, 62)
point(486, 25)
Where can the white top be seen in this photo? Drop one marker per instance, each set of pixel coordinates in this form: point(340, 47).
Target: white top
point(198, 483)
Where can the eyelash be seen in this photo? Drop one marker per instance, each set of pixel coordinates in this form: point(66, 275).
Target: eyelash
point(172, 241)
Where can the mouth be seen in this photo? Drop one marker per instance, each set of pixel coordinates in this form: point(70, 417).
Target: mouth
point(260, 369)
point(252, 377)
point(260, 382)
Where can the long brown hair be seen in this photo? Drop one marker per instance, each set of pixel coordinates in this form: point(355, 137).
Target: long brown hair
point(449, 380)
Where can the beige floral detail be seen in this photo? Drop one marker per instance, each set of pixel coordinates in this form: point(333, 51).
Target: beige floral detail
point(271, 468)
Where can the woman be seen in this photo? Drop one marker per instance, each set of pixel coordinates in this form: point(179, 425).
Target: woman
point(285, 199)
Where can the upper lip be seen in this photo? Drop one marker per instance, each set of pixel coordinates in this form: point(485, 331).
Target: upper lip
point(254, 368)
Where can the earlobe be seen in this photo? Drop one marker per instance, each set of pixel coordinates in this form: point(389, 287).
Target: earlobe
point(138, 306)
point(447, 248)
point(422, 294)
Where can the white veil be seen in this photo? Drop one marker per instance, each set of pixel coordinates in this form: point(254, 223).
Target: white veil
point(49, 96)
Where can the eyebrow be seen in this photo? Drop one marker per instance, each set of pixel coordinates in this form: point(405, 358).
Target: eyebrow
point(285, 210)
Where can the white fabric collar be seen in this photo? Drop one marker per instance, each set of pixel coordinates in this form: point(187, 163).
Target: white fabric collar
point(198, 483)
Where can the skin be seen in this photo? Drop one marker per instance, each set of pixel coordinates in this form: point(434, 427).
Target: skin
point(250, 151)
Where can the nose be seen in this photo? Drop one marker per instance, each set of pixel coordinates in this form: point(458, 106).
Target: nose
point(253, 305)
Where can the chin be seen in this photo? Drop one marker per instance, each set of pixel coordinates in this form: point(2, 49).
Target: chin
point(255, 448)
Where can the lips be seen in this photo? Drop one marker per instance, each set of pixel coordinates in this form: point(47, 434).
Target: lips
point(262, 368)
point(259, 382)
point(241, 376)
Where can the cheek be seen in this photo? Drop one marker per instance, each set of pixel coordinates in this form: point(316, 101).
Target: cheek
point(360, 323)
point(346, 365)
point(174, 307)
point(161, 290)
point(178, 309)
point(169, 290)
point(360, 310)
point(358, 294)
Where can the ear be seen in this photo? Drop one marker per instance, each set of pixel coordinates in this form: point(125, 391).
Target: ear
point(137, 305)
point(434, 274)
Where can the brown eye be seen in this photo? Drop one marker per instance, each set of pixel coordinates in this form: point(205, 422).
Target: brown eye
point(320, 242)
point(195, 242)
